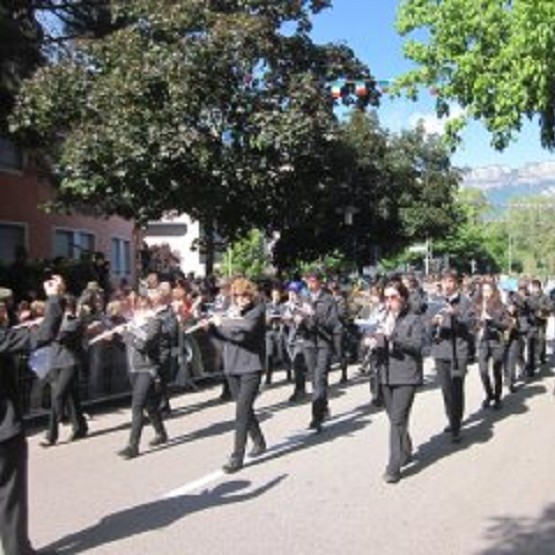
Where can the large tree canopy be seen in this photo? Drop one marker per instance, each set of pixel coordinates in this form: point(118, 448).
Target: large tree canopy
point(215, 108)
point(396, 188)
point(20, 51)
point(494, 58)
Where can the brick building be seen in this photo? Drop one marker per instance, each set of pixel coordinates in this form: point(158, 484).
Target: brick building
point(47, 236)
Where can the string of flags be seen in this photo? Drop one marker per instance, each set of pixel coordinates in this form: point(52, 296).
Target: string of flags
point(341, 88)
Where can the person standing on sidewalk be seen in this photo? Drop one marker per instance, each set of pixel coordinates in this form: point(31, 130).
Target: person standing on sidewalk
point(398, 343)
point(243, 339)
point(452, 329)
point(14, 510)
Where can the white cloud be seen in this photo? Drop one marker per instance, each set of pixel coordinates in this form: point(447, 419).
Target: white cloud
point(432, 124)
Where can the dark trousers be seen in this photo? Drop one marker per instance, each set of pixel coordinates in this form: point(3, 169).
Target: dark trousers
point(340, 351)
point(14, 525)
point(398, 401)
point(318, 361)
point(514, 356)
point(64, 383)
point(451, 381)
point(495, 353)
point(274, 351)
point(244, 388)
point(536, 349)
point(299, 370)
point(166, 376)
point(145, 397)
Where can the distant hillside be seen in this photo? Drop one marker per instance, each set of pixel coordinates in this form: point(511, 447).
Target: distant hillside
point(501, 184)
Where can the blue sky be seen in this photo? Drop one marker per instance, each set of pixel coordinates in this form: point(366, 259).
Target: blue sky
point(367, 26)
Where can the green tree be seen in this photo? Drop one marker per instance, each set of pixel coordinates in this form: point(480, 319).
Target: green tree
point(470, 242)
point(217, 109)
point(493, 58)
point(530, 232)
point(247, 256)
point(379, 192)
point(20, 51)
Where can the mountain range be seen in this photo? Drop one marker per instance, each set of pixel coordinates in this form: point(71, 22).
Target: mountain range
point(502, 184)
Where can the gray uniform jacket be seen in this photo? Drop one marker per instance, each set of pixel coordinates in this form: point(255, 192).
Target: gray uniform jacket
point(15, 341)
point(143, 346)
point(399, 360)
point(243, 338)
point(451, 339)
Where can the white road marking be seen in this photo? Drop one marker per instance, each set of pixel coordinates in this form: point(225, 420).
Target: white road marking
point(277, 449)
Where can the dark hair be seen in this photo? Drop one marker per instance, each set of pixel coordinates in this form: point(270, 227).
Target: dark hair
point(397, 284)
point(450, 273)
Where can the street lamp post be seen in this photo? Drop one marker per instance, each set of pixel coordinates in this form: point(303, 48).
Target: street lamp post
point(349, 212)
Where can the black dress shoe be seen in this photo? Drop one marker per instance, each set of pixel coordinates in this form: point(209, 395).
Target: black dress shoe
point(315, 425)
point(129, 452)
point(486, 403)
point(513, 388)
point(80, 434)
point(456, 438)
point(158, 439)
point(497, 404)
point(297, 397)
point(258, 449)
point(47, 443)
point(233, 465)
point(391, 478)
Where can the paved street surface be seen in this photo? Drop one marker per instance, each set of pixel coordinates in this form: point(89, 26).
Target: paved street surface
point(309, 494)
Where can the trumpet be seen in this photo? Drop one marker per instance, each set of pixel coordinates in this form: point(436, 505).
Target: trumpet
point(135, 323)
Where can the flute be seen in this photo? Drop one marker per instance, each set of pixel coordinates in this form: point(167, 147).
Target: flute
point(28, 323)
point(210, 320)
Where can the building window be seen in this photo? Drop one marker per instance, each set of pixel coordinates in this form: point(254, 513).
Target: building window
point(120, 260)
point(70, 243)
point(11, 156)
point(12, 236)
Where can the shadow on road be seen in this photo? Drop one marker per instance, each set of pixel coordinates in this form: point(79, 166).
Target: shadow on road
point(477, 428)
point(520, 535)
point(340, 426)
point(157, 515)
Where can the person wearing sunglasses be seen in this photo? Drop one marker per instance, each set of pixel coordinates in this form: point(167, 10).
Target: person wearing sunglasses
point(398, 343)
point(243, 339)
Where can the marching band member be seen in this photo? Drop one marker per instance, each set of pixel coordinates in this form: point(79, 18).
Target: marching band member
point(516, 335)
point(493, 320)
point(143, 338)
point(294, 340)
point(243, 357)
point(398, 343)
point(452, 329)
point(318, 322)
point(274, 332)
point(65, 363)
point(539, 310)
point(14, 532)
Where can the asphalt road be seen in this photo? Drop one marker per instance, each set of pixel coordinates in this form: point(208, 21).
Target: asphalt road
point(309, 494)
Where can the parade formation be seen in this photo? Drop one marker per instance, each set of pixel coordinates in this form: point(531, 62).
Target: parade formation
point(227, 195)
point(386, 331)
